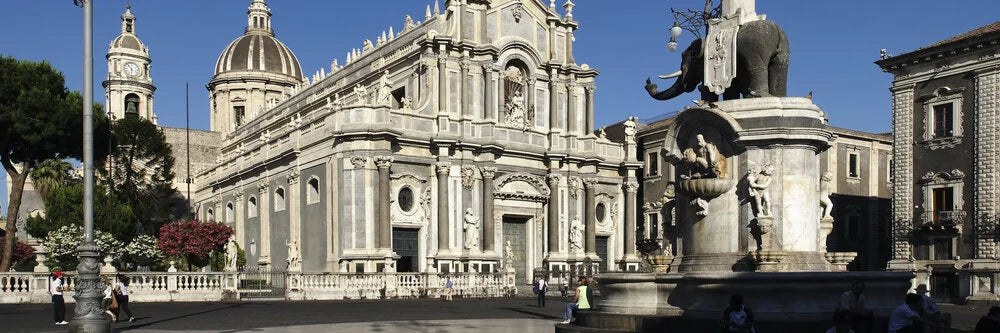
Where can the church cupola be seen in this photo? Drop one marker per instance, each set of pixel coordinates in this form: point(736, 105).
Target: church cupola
point(129, 87)
point(254, 73)
point(259, 18)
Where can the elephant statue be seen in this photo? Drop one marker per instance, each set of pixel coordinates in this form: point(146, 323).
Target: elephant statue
point(761, 66)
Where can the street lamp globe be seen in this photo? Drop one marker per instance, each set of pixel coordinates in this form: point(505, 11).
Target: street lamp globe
point(672, 45)
point(675, 31)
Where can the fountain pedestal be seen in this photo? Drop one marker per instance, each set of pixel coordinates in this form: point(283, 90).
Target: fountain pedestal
point(748, 204)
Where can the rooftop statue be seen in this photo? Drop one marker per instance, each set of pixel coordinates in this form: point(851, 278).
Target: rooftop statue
point(742, 55)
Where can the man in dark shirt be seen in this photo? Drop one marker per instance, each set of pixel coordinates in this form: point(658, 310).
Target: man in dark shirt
point(989, 323)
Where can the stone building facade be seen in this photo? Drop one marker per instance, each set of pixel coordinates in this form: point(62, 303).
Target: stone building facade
point(857, 164)
point(463, 142)
point(945, 171)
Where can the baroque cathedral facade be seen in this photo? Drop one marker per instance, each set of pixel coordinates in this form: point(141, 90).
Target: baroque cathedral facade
point(464, 142)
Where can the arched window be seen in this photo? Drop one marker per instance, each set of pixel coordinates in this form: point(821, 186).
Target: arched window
point(210, 215)
point(131, 105)
point(230, 213)
point(312, 192)
point(279, 199)
point(252, 207)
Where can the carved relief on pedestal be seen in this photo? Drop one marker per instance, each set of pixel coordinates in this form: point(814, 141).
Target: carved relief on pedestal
point(758, 180)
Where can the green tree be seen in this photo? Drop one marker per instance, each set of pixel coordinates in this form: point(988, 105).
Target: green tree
point(50, 175)
point(39, 120)
point(64, 206)
point(140, 171)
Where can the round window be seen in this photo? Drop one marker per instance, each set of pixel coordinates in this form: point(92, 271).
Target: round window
point(405, 198)
point(601, 211)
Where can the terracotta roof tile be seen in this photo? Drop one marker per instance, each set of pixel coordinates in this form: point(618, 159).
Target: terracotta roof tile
point(981, 31)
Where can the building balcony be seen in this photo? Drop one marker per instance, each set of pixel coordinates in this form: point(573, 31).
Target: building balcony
point(943, 220)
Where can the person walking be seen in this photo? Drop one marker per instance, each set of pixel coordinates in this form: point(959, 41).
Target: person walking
point(738, 318)
point(448, 289)
point(541, 287)
point(121, 294)
point(581, 300)
point(990, 323)
point(852, 302)
point(109, 302)
point(58, 303)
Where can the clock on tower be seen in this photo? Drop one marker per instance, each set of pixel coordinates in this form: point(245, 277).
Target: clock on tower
point(129, 87)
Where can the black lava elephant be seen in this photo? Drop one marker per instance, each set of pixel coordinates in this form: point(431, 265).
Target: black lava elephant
point(761, 66)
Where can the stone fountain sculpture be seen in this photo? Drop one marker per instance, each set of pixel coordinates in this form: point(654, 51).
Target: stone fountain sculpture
point(747, 191)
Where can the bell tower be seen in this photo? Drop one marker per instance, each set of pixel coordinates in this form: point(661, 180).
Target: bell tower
point(128, 88)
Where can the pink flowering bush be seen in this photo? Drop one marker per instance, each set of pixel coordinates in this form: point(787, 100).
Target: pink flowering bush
point(193, 240)
point(23, 253)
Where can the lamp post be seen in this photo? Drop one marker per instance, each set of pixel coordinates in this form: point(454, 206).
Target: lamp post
point(88, 316)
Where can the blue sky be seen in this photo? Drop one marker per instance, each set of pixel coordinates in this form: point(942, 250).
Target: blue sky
point(833, 44)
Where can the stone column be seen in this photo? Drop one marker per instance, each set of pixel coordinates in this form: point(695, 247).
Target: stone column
point(553, 179)
point(590, 111)
point(902, 183)
point(631, 187)
point(443, 170)
point(294, 214)
point(530, 98)
point(553, 101)
point(240, 219)
point(442, 83)
point(463, 88)
point(590, 194)
point(489, 225)
point(571, 124)
point(265, 223)
point(384, 198)
point(488, 89)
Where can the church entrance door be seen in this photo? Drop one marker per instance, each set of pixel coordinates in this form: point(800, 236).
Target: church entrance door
point(515, 230)
point(405, 244)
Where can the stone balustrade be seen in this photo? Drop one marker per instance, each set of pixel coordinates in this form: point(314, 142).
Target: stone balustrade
point(327, 286)
point(176, 286)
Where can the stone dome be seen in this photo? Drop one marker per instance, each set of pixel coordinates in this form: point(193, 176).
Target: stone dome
point(261, 52)
point(128, 41)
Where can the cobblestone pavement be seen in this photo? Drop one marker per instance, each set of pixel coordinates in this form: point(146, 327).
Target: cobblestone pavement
point(422, 315)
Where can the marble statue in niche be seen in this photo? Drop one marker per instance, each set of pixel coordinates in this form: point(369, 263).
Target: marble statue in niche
point(575, 235)
point(758, 180)
point(471, 230)
point(253, 246)
point(825, 189)
point(516, 109)
point(704, 159)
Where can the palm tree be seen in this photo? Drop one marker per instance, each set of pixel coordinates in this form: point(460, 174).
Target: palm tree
point(50, 175)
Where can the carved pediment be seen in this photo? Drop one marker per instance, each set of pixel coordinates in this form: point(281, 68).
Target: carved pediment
point(521, 186)
point(942, 177)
